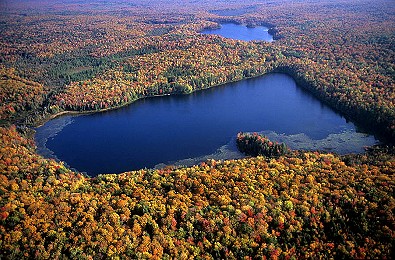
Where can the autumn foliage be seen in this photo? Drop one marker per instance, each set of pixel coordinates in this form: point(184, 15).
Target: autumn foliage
point(17, 95)
point(256, 144)
point(293, 206)
point(339, 51)
point(299, 206)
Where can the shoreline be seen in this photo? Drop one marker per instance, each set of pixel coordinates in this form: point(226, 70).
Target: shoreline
point(278, 70)
point(315, 146)
point(69, 112)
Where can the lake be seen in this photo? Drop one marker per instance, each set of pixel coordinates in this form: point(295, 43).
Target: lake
point(241, 32)
point(235, 12)
point(187, 129)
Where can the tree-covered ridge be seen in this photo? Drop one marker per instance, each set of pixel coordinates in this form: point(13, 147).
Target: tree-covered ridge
point(196, 66)
point(18, 97)
point(341, 51)
point(296, 206)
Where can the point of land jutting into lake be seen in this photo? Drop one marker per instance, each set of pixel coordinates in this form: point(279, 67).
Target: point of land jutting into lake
point(196, 125)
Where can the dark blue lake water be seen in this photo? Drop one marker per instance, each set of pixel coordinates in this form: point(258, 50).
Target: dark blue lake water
point(241, 32)
point(172, 128)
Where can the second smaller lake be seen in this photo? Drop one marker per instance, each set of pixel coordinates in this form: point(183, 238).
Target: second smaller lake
point(241, 32)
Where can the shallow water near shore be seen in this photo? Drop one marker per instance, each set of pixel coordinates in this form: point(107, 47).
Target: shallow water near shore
point(187, 129)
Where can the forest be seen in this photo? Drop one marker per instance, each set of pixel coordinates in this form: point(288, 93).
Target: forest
point(59, 57)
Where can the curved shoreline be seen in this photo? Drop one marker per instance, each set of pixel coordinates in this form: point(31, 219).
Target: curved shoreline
point(301, 82)
point(67, 116)
point(70, 112)
point(369, 127)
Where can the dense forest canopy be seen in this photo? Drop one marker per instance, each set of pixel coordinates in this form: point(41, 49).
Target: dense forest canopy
point(342, 51)
point(77, 56)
